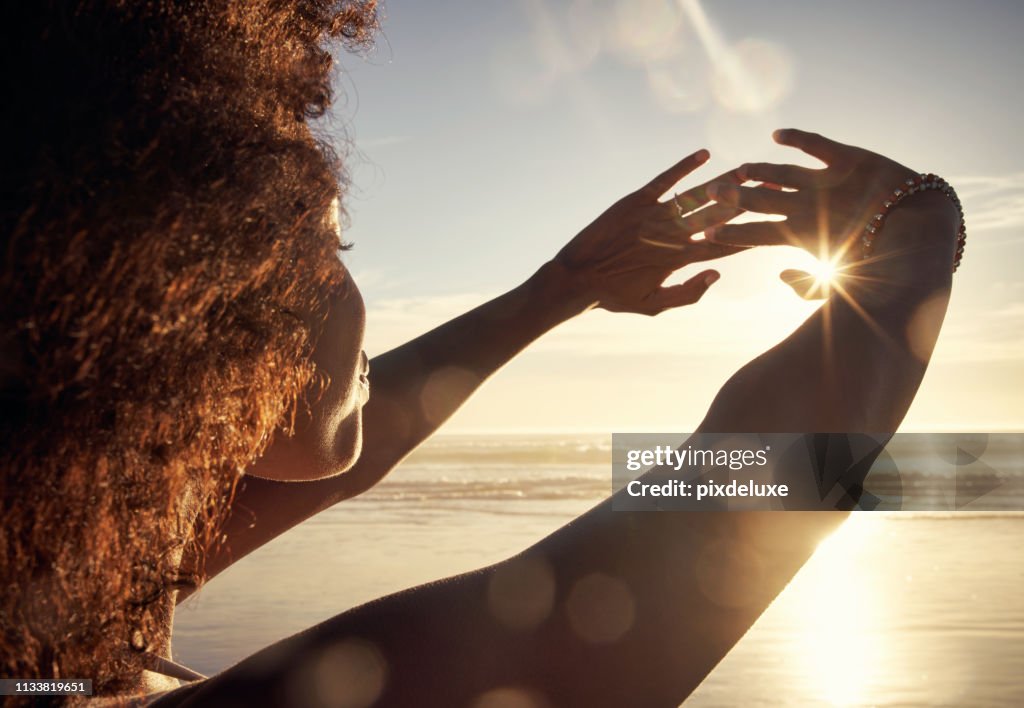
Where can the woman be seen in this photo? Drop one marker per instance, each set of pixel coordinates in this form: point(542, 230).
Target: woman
point(181, 340)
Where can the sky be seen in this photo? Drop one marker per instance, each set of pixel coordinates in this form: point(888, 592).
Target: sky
point(480, 136)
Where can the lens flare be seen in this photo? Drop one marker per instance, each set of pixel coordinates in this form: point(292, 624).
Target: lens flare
point(825, 271)
point(751, 76)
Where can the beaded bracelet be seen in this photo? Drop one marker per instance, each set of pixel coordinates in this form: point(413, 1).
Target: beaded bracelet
point(918, 184)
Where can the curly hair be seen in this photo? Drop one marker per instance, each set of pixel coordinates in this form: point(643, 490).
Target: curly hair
point(166, 247)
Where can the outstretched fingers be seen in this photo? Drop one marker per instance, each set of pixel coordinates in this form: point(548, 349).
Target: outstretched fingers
point(756, 233)
point(828, 151)
point(705, 218)
point(667, 179)
point(696, 197)
point(674, 236)
point(779, 175)
point(760, 199)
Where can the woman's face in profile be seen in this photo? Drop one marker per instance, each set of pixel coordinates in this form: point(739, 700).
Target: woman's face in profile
point(340, 353)
point(331, 443)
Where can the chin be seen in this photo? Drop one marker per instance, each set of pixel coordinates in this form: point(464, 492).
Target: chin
point(291, 462)
point(348, 443)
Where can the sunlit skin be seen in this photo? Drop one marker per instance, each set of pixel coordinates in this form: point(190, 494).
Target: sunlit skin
point(442, 644)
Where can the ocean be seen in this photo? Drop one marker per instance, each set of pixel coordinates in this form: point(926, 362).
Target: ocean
point(895, 609)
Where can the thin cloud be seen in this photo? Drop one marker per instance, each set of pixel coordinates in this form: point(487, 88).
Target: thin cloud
point(992, 201)
point(990, 335)
point(394, 321)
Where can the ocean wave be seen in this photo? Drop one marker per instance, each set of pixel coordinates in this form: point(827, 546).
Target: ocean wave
point(515, 449)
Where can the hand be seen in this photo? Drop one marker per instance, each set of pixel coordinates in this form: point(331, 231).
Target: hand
point(827, 212)
point(620, 261)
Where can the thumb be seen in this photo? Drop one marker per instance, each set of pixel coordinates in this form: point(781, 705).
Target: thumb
point(666, 298)
point(804, 284)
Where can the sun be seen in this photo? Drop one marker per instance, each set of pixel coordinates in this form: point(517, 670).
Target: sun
point(820, 275)
point(825, 271)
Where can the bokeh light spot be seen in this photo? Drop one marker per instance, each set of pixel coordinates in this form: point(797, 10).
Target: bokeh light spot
point(601, 608)
point(350, 674)
point(510, 697)
point(644, 30)
point(923, 328)
point(521, 593)
point(445, 388)
point(752, 76)
point(728, 572)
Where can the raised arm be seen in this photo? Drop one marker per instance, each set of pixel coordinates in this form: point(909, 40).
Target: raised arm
point(636, 608)
point(617, 263)
point(856, 364)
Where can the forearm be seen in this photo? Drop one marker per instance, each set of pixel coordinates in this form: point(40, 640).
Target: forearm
point(419, 385)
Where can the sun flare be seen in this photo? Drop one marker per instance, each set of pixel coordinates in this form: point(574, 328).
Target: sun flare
point(816, 275)
point(824, 271)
